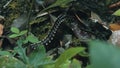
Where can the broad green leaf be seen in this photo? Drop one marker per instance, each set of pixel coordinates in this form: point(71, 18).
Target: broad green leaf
point(23, 32)
point(104, 55)
point(61, 3)
point(117, 13)
point(32, 39)
point(39, 58)
point(84, 54)
point(66, 64)
point(67, 55)
point(15, 30)
point(13, 35)
point(75, 64)
point(21, 51)
point(25, 41)
point(10, 62)
point(2, 53)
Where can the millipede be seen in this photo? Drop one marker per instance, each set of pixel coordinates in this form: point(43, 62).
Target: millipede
point(52, 32)
point(54, 29)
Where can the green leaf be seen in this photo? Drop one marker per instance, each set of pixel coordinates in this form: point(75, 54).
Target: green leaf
point(39, 58)
point(2, 53)
point(25, 41)
point(61, 3)
point(21, 51)
point(104, 55)
point(13, 35)
point(23, 32)
point(66, 64)
point(75, 64)
point(15, 30)
point(67, 55)
point(117, 13)
point(11, 62)
point(32, 39)
point(84, 54)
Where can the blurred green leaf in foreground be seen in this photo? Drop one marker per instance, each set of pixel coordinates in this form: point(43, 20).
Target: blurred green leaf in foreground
point(104, 55)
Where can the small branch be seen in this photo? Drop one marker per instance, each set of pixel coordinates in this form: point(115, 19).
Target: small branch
point(7, 3)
